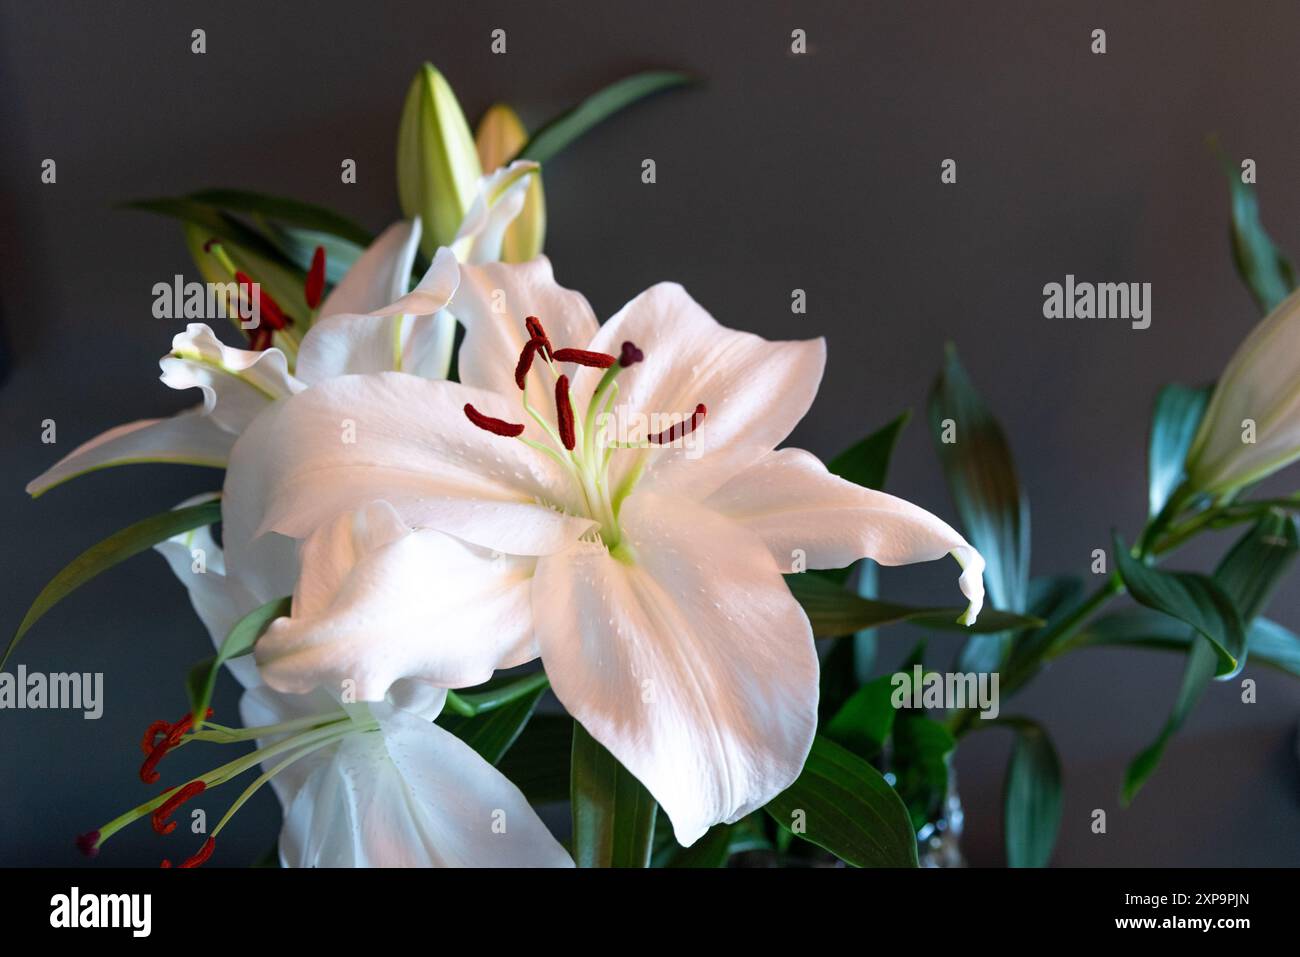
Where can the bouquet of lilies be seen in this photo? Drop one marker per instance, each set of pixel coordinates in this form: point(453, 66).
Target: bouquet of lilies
point(476, 551)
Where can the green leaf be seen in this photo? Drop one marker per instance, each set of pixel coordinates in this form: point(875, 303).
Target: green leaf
point(492, 732)
point(1051, 599)
point(538, 764)
point(1270, 643)
point(613, 814)
point(116, 548)
point(841, 803)
point(711, 850)
point(496, 694)
point(1031, 796)
point(1177, 414)
point(863, 723)
point(867, 462)
point(1268, 274)
point(922, 751)
point(543, 145)
point(994, 510)
point(299, 245)
point(212, 224)
point(239, 641)
point(1248, 574)
point(848, 665)
point(1189, 597)
point(288, 212)
point(834, 611)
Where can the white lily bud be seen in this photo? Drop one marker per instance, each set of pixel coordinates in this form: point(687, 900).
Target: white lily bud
point(1251, 427)
point(499, 138)
point(437, 163)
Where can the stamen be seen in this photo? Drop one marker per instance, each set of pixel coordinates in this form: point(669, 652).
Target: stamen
point(681, 429)
point(259, 339)
point(160, 746)
point(203, 854)
point(315, 278)
point(597, 360)
point(630, 355)
point(496, 426)
point(538, 332)
point(564, 412)
point(268, 309)
point(164, 811)
point(526, 361)
point(150, 739)
point(88, 843)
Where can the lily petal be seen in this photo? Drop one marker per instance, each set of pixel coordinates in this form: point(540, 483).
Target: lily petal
point(500, 199)
point(756, 390)
point(799, 509)
point(413, 795)
point(411, 334)
point(188, 438)
point(492, 302)
point(347, 442)
point(692, 663)
point(237, 384)
point(220, 601)
point(381, 274)
point(377, 602)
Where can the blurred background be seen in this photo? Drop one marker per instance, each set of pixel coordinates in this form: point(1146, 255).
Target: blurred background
point(818, 172)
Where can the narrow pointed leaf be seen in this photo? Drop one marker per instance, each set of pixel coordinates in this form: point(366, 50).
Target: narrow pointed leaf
point(994, 510)
point(567, 127)
point(1177, 414)
point(1248, 574)
point(835, 611)
point(1031, 796)
point(1191, 598)
point(242, 637)
point(115, 549)
point(1267, 273)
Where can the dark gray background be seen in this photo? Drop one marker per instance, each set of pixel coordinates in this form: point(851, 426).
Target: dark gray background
point(819, 172)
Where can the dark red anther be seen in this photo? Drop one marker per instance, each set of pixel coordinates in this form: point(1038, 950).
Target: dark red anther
point(630, 355)
point(526, 361)
point(161, 745)
point(268, 310)
point(496, 426)
point(681, 429)
point(150, 739)
point(564, 412)
point(164, 810)
point(203, 854)
point(315, 278)
point(88, 843)
point(259, 339)
point(207, 247)
point(597, 360)
point(538, 332)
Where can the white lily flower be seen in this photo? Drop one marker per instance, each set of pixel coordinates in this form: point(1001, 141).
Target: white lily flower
point(1251, 427)
point(365, 785)
point(655, 570)
point(355, 332)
